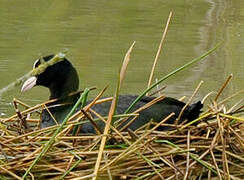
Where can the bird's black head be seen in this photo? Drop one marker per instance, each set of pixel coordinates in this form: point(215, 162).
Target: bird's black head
point(61, 78)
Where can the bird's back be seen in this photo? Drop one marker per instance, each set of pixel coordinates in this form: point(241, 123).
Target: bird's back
point(155, 112)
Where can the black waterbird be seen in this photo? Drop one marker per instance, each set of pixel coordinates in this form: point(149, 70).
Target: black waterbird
point(62, 80)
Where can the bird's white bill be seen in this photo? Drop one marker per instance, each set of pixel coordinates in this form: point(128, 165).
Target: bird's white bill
point(29, 83)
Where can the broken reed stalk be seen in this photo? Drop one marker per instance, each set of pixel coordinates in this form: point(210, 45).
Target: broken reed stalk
point(98, 130)
point(223, 87)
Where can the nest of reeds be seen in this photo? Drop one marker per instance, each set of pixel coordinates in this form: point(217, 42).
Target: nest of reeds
point(211, 146)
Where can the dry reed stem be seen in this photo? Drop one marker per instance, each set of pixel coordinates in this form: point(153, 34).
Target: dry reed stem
point(98, 130)
point(159, 50)
point(125, 64)
point(223, 87)
point(188, 156)
point(11, 173)
point(45, 107)
point(223, 141)
point(112, 110)
point(21, 103)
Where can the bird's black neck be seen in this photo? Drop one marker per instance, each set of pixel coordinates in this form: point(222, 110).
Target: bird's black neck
point(57, 92)
point(64, 87)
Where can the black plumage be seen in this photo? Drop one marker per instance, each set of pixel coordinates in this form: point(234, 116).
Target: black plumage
point(62, 80)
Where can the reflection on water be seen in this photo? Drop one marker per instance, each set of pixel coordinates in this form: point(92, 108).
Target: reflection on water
point(97, 36)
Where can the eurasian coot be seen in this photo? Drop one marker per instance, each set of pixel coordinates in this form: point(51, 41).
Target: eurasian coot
point(62, 79)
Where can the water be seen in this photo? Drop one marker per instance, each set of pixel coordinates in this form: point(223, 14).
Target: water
point(97, 35)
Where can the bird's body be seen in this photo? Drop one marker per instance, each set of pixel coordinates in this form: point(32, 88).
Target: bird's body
point(62, 79)
point(156, 112)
